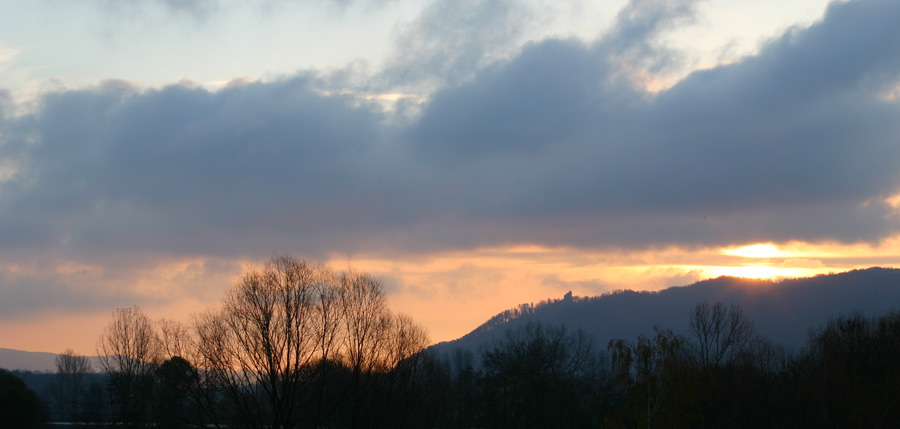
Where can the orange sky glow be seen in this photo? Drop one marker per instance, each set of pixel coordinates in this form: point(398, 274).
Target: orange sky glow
point(452, 293)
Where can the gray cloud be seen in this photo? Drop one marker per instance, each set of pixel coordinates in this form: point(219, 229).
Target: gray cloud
point(549, 147)
point(635, 37)
point(118, 167)
point(32, 295)
point(37, 285)
point(537, 101)
point(452, 40)
point(798, 124)
point(201, 11)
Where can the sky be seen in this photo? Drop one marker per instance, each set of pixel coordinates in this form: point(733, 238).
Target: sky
point(474, 155)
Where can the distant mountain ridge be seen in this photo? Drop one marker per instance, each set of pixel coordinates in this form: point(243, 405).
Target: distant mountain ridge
point(783, 311)
point(29, 361)
point(34, 361)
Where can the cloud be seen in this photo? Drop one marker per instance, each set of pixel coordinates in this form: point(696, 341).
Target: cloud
point(549, 147)
point(113, 166)
point(451, 40)
point(203, 10)
point(539, 99)
point(554, 137)
point(36, 286)
point(635, 41)
point(32, 289)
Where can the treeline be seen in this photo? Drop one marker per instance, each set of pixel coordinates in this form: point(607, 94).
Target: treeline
point(294, 345)
point(291, 345)
point(720, 374)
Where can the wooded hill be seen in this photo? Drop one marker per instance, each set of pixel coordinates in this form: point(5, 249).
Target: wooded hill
point(783, 310)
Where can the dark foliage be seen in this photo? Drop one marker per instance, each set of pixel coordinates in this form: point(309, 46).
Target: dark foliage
point(176, 378)
point(19, 405)
point(848, 375)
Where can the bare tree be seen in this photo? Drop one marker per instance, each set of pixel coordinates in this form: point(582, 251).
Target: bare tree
point(215, 369)
point(651, 362)
point(175, 340)
point(285, 328)
point(180, 382)
point(128, 343)
point(366, 325)
point(537, 375)
point(268, 332)
point(719, 334)
point(128, 350)
point(366, 320)
point(71, 383)
point(399, 382)
point(405, 339)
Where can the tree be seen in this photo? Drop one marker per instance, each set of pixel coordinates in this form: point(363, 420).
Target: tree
point(366, 322)
point(263, 339)
point(539, 376)
point(658, 380)
point(128, 351)
point(174, 340)
point(284, 330)
point(849, 373)
point(177, 380)
point(398, 389)
point(71, 383)
point(197, 390)
point(19, 405)
point(96, 405)
point(719, 335)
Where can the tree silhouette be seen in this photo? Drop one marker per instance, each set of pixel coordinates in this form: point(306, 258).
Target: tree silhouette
point(128, 352)
point(719, 334)
point(177, 379)
point(849, 375)
point(19, 405)
point(71, 384)
point(539, 376)
point(297, 343)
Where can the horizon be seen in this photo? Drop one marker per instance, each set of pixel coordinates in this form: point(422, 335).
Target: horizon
point(552, 299)
point(775, 281)
point(472, 155)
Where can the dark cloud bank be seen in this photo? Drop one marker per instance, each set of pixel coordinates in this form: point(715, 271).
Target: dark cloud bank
point(553, 146)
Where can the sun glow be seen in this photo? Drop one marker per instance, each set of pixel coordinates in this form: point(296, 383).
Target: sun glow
point(767, 260)
point(757, 272)
point(762, 250)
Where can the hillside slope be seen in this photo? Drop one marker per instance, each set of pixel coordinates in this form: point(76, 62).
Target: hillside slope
point(34, 361)
point(30, 361)
point(783, 311)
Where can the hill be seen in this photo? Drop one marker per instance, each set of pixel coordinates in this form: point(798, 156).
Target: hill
point(12, 359)
point(783, 311)
point(29, 361)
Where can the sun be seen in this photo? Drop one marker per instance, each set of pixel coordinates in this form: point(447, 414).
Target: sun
point(762, 251)
point(755, 267)
point(750, 271)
